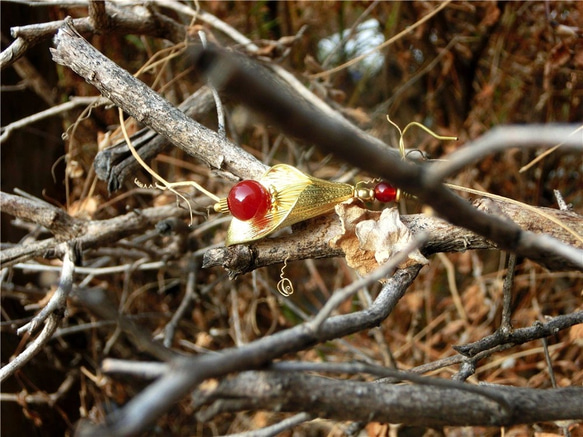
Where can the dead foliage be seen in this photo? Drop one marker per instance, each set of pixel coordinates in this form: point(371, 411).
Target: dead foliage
point(470, 68)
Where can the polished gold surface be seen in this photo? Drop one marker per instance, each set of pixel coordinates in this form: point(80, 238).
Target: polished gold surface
point(222, 206)
point(295, 197)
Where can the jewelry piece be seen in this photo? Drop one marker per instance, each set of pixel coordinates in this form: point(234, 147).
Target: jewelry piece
point(284, 196)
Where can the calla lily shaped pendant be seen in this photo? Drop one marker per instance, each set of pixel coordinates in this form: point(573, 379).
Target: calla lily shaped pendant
point(284, 196)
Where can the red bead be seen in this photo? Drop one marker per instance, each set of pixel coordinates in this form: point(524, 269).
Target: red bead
point(248, 199)
point(383, 192)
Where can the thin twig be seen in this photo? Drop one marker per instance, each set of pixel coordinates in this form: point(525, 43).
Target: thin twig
point(506, 324)
point(216, 97)
point(451, 281)
point(521, 335)
point(50, 315)
point(502, 138)
point(51, 112)
point(121, 20)
point(51, 325)
point(42, 397)
point(59, 298)
point(141, 369)
point(340, 296)
point(276, 428)
point(560, 201)
point(549, 362)
point(184, 303)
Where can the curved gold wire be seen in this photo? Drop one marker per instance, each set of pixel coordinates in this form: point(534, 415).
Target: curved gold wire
point(285, 286)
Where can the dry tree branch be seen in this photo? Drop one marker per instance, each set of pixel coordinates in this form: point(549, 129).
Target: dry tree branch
point(277, 428)
point(341, 295)
point(286, 79)
point(51, 315)
point(57, 221)
point(115, 164)
point(51, 112)
point(503, 138)
point(521, 335)
point(58, 300)
point(149, 108)
point(189, 296)
point(425, 404)
point(310, 239)
point(313, 126)
point(87, 234)
point(187, 373)
point(276, 391)
point(115, 174)
point(119, 20)
point(247, 83)
point(42, 397)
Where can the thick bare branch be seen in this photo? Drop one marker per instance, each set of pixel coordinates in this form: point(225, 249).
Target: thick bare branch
point(115, 164)
point(419, 405)
point(311, 239)
point(88, 234)
point(120, 20)
point(250, 84)
point(57, 221)
point(148, 107)
point(51, 316)
point(187, 373)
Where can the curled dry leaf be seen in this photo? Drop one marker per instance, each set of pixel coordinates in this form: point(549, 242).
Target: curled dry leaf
point(371, 238)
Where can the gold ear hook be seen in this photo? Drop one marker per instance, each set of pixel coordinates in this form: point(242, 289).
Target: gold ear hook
point(285, 286)
point(419, 125)
point(400, 193)
point(162, 183)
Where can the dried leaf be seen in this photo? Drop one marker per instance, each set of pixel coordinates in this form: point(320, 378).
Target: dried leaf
point(560, 55)
point(576, 334)
point(370, 238)
point(85, 208)
point(578, 59)
point(491, 16)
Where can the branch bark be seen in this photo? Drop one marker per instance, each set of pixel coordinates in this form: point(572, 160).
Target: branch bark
point(116, 163)
point(187, 373)
point(119, 20)
point(311, 239)
point(88, 234)
point(248, 83)
point(149, 108)
point(419, 405)
point(57, 221)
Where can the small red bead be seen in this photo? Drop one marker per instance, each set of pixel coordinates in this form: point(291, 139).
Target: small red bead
point(383, 192)
point(248, 199)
